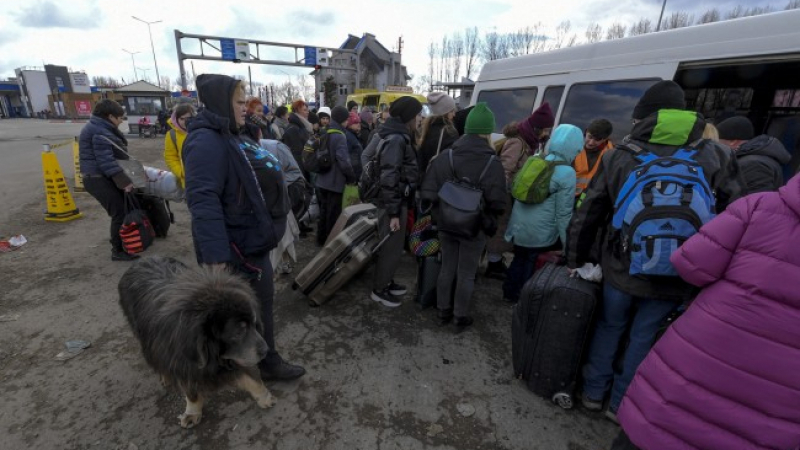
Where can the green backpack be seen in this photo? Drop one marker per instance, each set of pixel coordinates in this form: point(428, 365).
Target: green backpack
point(532, 182)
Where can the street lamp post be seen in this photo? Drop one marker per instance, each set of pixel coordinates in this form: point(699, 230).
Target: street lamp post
point(133, 63)
point(158, 76)
point(663, 5)
point(144, 74)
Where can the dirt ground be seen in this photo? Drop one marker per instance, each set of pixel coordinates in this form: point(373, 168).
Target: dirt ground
point(378, 378)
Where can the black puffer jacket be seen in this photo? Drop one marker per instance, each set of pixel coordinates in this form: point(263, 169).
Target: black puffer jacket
point(398, 168)
point(295, 137)
point(760, 160)
point(430, 144)
point(470, 155)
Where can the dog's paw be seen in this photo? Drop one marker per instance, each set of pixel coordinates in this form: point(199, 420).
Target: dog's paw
point(190, 420)
point(267, 401)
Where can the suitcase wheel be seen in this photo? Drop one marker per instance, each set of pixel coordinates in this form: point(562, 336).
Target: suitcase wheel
point(563, 400)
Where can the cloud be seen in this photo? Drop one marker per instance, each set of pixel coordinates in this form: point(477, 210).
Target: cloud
point(46, 14)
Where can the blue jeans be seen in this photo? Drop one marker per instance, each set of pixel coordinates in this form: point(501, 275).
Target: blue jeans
point(614, 319)
point(520, 271)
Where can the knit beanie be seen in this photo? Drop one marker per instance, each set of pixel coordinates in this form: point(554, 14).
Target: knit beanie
point(480, 120)
point(351, 104)
point(440, 103)
point(737, 128)
point(339, 114)
point(665, 94)
point(313, 118)
point(324, 112)
point(353, 119)
point(405, 108)
point(542, 117)
point(366, 116)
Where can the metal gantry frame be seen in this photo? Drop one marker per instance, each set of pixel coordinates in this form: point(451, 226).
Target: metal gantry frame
point(214, 42)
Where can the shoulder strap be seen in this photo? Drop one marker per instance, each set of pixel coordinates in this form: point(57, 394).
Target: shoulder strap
point(173, 136)
point(334, 131)
point(115, 145)
point(486, 168)
point(452, 167)
point(439, 146)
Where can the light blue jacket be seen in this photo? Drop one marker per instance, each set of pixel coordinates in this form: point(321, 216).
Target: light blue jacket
point(541, 224)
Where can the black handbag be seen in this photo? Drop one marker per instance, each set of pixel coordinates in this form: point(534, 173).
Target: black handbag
point(137, 232)
point(461, 203)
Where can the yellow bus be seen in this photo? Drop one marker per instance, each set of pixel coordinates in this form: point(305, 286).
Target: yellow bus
point(380, 100)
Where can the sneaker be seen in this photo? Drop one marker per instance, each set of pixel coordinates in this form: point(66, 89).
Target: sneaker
point(396, 289)
point(385, 298)
point(590, 404)
point(117, 255)
point(612, 416)
point(463, 322)
point(281, 371)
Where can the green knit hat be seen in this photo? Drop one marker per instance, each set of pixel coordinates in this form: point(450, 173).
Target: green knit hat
point(480, 120)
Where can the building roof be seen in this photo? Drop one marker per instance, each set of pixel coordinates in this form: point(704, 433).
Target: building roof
point(142, 86)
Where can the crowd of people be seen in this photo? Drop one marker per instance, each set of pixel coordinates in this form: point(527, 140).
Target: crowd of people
point(722, 376)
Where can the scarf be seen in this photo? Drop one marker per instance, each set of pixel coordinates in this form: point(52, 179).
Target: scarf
point(175, 123)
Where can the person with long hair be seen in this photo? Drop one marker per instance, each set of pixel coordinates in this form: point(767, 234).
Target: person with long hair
point(438, 131)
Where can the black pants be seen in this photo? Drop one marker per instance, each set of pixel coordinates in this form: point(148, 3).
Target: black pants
point(112, 199)
point(330, 207)
point(265, 293)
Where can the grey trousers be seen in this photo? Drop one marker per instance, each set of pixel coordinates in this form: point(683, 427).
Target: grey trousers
point(460, 259)
point(388, 257)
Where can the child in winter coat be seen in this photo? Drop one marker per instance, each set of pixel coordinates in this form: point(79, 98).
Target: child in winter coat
point(534, 228)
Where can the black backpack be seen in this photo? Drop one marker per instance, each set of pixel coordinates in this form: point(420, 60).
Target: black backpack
point(317, 156)
point(461, 203)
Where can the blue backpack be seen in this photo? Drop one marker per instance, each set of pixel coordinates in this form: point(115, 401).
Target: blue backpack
point(664, 201)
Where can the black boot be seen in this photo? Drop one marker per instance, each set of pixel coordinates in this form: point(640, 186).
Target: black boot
point(280, 371)
point(496, 269)
point(462, 323)
point(445, 316)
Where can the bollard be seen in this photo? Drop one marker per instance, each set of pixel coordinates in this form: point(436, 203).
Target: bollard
point(60, 205)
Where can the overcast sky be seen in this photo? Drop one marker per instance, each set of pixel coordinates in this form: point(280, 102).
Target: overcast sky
point(90, 35)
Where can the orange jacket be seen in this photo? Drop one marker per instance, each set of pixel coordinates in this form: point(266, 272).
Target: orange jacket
point(584, 172)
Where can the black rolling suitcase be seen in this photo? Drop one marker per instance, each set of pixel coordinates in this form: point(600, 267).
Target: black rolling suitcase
point(427, 278)
point(550, 330)
point(157, 210)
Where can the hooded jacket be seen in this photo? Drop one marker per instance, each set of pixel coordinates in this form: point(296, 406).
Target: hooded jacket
point(398, 167)
point(341, 172)
point(470, 154)
point(760, 160)
point(514, 153)
point(230, 218)
point(295, 136)
point(661, 133)
point(542, 224)
point(173, 150)
point(725, 374)
point(97, 155)
point(354, 149)
point(430, 145)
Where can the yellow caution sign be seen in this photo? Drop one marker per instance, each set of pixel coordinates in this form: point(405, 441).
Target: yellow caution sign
point(77, 160)
point(60, 205)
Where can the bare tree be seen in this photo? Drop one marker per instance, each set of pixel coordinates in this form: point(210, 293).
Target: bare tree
point(443, 50)
point(678, 19)
point(490, 50)
point(457, 43)
point(431, 68)
point(793, 4)
point(104, 81)
point(165, 83)
point(735, 13)
point(471, 47)
point(758, 10)
point(643, 26)
point(712, 15)
point(594, 33)
point(615, 31)
point(305, 87)
point(563, 38)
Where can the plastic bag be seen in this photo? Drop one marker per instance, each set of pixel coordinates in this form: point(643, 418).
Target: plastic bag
point(350, 196)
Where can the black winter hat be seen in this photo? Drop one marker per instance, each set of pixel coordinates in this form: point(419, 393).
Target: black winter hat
point(737, 128)
point(460, 120)
point(339, 114)
point(405, 108)
point(665, 94)
point(351, 104)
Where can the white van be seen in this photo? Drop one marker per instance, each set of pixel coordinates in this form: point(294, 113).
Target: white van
point(748, 66)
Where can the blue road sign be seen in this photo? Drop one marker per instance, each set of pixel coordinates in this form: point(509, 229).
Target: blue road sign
point(228, 49)
point(311, 56)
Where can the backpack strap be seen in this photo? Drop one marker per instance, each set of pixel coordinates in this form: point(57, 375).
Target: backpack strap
point(439, 146)
point(486, 168)
point(173, 136)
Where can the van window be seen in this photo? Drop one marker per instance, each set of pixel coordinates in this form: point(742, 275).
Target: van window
point(613, 101)
point(553, 95)
point(509, 105)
